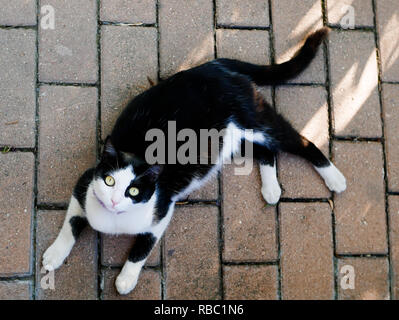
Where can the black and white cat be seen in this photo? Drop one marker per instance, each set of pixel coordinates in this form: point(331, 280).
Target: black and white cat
point(124, 194)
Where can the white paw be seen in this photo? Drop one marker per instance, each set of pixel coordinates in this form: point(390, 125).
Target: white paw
point(271, 193)
point(54, 256)
point(334, 179)
point(125, 283)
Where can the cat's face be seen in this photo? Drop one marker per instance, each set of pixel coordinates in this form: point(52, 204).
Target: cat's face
point(122, 183)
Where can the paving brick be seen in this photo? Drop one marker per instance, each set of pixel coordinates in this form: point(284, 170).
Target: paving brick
point(115, 250)
point(292, 22)
point(191, 254)
point(371, 279)
point(249, 226)
point(354, 79)
point(210, 191)
point(77, 277)
point(240, 13)
point(128, 57)
point(393, 204)
point(148, 286)
point(16, 290)
point(246, 45)
point(250, 282)
point(17, 90)
point(67, 139)
point(16, 198)
point(306, 109)
point(360, 211)
point(186, 34)
point(68, 53)
point(363, 11)
point(18, 12)
point(387, 25)
point(306, 251)
point(128, 11)
point(391, 117)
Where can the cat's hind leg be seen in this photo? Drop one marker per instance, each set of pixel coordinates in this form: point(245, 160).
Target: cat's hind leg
point(74, 223)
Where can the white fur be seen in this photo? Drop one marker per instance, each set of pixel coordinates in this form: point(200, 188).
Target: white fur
point(333, 178)
point(271, 190)
point(55, 255)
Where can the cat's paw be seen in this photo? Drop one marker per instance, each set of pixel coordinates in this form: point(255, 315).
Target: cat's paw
point(125, 283)
point(54, 256)
point(271, 193)
point(334, 179)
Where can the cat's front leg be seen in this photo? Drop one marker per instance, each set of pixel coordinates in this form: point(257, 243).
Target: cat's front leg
point(144, 243)
point(74, 223)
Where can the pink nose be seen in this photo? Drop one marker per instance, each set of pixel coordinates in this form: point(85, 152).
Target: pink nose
point(114, 203)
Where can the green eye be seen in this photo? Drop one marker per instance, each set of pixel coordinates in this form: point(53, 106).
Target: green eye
point(109, 181)
point(133, 191)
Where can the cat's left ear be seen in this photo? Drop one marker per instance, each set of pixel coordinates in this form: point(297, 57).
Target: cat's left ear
point(109, 149)
point(153, 172)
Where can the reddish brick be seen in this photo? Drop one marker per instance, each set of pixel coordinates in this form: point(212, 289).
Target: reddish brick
point(128, 57)
point(363, 10)
point(210, 191)
point(77, 277)
point(148, 286)
point(250, 282)
point(16, 198)
point(387, 25)
point(67, 139)
point(360, 210)
point(391, 116)
point(17, 91)
point(246, 45)
point(191, 254)
point(249, 226)
point(309, 115)
point(292, 21)
point(393, 204)
point(240, 13)
point(15, 290)
point(354, 78)
point(371, 279)
point(115, 250)
point(68, 53)
point(186, 34)
point(128, 11)
point(18, 12)
point(306, 251)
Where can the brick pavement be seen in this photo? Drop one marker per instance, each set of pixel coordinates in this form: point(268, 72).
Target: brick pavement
point(62, 89)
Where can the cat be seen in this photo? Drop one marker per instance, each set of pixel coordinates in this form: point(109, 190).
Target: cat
point(124, 194)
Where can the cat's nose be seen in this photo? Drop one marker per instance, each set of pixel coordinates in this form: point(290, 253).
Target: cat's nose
point(114, 203)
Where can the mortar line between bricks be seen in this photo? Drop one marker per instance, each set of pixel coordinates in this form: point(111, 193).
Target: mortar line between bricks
point(277, 211)
point(380, 93)
point(393, 193)
point(98, 142)
point(16, 149)
point(357, 139)
point(126, 24)
point(220, 220)
point(35, 186)
point(162, 240)
point(28, 27)
point(362, 255)
point(68, 84)
point(231, 27)
point(250, 263)
point(330, 148)
point(356, 28)
point(17, 278)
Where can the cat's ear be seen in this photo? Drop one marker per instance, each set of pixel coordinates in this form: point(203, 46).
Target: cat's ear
point(153, 172)
point(109, 149)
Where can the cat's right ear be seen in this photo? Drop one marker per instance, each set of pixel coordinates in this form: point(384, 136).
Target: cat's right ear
point(109, 149)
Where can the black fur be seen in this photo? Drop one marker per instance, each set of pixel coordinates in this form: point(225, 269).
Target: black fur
point(142, 247)
point(77, 225)
point(79, 192)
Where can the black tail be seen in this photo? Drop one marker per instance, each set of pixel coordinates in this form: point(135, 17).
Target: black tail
point(279, 73)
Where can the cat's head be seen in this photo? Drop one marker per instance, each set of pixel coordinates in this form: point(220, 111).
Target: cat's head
point(123, 181)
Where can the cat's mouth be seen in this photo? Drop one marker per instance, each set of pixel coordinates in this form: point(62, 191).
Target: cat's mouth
point(104, 206)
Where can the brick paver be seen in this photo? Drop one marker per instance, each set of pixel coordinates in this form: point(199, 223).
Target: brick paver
point(360, 211)
point(306, 251)
point(68, 53)
point(77, 277)
point(17, 90)
point(61, 91)
point(67, 139)
point(16, 198)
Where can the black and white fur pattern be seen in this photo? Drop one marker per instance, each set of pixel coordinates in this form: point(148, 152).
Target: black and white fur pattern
point(220, 94)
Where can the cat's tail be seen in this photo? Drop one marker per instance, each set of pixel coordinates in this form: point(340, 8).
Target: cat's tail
point(279, 73)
